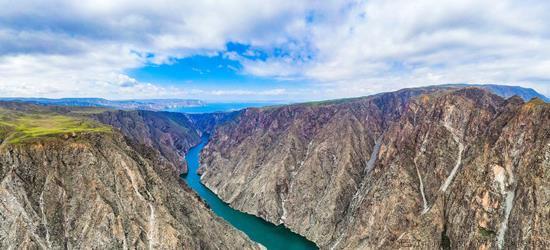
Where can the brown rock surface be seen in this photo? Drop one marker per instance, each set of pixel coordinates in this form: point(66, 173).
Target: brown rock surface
point(172, 134)
point(100, 191)
point(422, 168)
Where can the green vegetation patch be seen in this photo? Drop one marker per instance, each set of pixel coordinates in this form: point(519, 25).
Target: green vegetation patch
point(486, 232)
point(17, 127)
point(315, 103)
point(535, 103)
point(332, 102)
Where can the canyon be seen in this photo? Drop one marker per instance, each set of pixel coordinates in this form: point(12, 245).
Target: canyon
point(433, 167)
point(420, 168)
point(81, 184)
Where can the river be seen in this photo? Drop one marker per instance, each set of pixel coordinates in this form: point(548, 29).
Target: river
point(269, 235)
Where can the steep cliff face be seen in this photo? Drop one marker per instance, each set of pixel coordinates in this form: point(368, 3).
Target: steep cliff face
point(465, 170)
point(171, 134)
point(208, 122)
point(423, 168)
point(95, 189)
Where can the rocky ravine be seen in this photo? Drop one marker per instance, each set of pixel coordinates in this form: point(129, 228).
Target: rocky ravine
point(95, 191)
point(422, 168)
point(171, 134)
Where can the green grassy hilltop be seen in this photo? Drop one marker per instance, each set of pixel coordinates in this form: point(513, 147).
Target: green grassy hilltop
point(20, 126)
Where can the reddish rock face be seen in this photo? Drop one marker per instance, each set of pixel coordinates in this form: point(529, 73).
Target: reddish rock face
point(422, 168)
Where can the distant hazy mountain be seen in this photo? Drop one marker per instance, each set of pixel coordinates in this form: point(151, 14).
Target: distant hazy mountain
point(145, 104)
point(506, 91)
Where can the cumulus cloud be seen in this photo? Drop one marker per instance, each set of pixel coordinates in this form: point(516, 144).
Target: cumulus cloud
point(382, 45)
point(84, 48)
point(342, 48)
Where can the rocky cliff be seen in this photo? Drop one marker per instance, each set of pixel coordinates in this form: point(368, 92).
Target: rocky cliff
point(423, 168)
point(171, 134)
point(94, 189)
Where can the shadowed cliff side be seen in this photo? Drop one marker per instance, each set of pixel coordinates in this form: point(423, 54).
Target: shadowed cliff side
point(172, 134)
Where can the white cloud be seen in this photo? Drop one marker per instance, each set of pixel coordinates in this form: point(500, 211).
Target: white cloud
point(84, 48)
point(383, 45)
point(343, 48)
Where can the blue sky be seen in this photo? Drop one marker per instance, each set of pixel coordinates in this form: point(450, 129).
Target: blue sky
point(219, 77)
point(246, 50)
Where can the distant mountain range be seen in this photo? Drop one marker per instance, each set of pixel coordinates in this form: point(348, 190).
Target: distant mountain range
point(169, 104)
point(505, 90)
point(143, 104)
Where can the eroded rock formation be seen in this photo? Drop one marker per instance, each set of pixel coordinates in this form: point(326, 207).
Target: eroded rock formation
point(423, 168)
point(100, 191)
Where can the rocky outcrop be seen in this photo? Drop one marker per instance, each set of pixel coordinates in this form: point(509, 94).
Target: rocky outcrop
point(98, 191)
point(171, 134)
point(422, 168)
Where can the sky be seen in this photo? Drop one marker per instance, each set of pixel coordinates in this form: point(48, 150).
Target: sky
point(250, 50)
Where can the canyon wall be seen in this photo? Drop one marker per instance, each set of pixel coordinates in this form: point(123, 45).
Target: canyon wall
point(423, 168)
point(97, 190)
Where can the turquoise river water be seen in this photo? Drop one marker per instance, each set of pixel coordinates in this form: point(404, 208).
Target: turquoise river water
point(259, 230)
